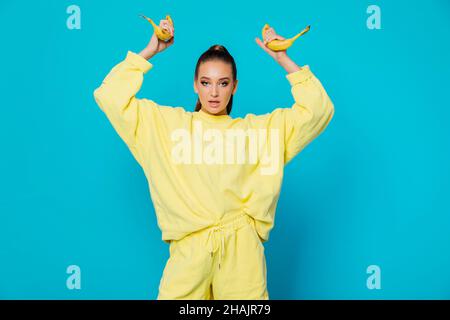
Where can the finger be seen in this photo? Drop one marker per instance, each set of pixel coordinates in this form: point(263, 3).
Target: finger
point(166, 26)
point(258, 41)
point(169, 42)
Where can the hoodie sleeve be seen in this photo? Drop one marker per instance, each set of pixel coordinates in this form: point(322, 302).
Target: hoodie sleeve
point(116, 98)
point(308, 116)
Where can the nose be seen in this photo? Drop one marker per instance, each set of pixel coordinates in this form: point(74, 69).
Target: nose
point(214, 91)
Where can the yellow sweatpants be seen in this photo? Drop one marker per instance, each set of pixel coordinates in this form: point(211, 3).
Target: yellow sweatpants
point(222, 262)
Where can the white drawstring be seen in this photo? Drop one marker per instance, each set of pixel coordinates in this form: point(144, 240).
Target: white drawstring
point(212, 244)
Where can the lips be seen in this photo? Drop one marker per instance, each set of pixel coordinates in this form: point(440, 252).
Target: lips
point(214, 103)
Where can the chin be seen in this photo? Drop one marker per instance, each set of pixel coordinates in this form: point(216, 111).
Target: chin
point(215, 111)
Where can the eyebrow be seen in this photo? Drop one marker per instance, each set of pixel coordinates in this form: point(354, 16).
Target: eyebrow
point(227, 78)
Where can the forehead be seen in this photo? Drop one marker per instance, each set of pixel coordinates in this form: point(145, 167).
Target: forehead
point(215, 69)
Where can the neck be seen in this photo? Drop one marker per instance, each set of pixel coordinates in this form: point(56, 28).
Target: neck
point(214, 117)
point(222, 113)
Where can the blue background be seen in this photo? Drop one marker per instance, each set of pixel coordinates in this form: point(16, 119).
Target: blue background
point(371, 190)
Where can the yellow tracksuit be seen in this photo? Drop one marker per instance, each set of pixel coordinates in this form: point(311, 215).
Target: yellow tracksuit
point(214, 180)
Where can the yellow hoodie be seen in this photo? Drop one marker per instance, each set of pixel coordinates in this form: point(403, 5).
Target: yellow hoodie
point(201, 167)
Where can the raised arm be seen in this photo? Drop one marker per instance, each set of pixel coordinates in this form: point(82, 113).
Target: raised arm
point(310, 113)
point(116, 96)
point(312, 109)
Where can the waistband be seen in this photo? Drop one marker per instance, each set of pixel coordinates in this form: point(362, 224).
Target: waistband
point(228, 224)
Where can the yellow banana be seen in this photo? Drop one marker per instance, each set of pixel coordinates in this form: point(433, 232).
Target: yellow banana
point(280, 45)
point(161, 33)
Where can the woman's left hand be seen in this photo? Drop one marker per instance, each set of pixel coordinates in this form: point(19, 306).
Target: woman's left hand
point(270, 35)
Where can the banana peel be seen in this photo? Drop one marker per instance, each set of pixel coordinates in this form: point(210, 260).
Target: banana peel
point(161, 33)
point(280, 45)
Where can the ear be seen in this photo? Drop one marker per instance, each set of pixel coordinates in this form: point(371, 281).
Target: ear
point(235, 86)
point(195, 87)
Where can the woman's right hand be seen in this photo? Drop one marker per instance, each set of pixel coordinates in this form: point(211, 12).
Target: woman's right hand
point(156, 45)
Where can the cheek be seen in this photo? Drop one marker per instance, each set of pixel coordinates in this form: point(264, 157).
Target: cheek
point(228, 90)
point(202, 92)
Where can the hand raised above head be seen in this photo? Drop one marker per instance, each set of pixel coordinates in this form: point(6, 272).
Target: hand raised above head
point(268, 36)
point(156, 44)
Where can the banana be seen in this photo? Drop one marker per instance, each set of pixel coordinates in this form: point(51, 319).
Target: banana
point(280, 45)
point(161, 33)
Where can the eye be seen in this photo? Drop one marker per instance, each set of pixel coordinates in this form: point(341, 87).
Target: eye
point(224, 84)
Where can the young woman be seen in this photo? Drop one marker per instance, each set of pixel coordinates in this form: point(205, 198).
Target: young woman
point(214, 180)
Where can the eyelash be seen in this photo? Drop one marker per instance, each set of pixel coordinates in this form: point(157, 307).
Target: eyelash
point(226, 83)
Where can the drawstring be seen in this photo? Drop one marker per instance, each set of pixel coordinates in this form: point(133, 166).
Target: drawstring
point(212, 244)
point(211, 241)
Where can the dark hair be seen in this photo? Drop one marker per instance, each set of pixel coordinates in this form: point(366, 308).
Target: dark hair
point(216, 52)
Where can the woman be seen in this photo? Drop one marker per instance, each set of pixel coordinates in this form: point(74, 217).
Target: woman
point(214, 180)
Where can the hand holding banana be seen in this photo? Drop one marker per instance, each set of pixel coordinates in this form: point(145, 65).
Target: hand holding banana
point(274, 44)
point(162, 38)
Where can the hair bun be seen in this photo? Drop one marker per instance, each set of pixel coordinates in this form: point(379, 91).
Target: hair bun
point(218, 47)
